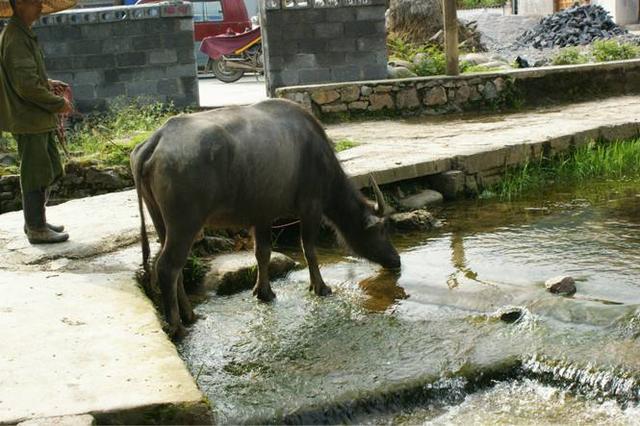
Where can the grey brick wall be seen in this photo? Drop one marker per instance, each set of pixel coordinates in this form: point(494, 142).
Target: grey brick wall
point(127, 51)
point(321, 41)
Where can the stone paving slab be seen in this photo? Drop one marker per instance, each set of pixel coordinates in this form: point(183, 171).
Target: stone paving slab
point(75, 344)
point(408, 148)
point(96, 225)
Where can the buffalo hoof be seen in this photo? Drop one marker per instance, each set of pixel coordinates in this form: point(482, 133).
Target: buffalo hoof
point(176, 332)
point(189, 318)
point(264, 294)
point(323, 290)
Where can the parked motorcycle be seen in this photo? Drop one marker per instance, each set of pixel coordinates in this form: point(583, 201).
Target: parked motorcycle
point(231, 55)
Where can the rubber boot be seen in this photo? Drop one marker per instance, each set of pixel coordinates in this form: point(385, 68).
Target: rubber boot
point(56, 228)
point(34, 218)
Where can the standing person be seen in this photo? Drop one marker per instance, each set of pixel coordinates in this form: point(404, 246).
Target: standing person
point(28, 110)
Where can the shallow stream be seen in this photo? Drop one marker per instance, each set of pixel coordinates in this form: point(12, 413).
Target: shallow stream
point(428, 345)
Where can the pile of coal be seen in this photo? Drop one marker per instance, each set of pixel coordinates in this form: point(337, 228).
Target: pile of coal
point(575, 26)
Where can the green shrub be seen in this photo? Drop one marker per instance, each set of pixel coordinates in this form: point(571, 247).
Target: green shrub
point(569, 56)
point(612, 50)
point(398, 47)
point(473, 4)
point(434, 63)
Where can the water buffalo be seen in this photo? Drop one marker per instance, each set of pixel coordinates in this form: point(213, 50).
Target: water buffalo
point(246, 167)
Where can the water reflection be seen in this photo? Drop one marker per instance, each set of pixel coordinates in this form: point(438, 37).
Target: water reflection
point(383, 290)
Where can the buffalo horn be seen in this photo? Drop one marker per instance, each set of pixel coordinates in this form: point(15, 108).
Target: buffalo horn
point(381, 207)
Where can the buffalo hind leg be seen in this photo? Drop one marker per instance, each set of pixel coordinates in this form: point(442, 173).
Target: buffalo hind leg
point(262, 250)
point(310, 228)
point(169, 268)
point(186, 310)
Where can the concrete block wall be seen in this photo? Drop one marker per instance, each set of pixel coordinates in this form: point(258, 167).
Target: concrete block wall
point(320, 41)
point(127, 51)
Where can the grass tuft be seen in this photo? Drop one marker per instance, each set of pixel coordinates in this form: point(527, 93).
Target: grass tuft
point(618, 160)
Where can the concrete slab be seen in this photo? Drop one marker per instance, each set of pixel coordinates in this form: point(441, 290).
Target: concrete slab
point(75, 344)
point(83, 420)
point(408, 148)
point(96, 225)
point(246, 91)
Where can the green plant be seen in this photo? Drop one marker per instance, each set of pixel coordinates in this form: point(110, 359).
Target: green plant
point(612, 50)
point(469, 69)
point(398, 47)
point(434, 62)
point(569, 56)
point(7, 143)
point(344, 144)
point(618, 160)
point(193, 272)
point(472, 4)
point(108, 138)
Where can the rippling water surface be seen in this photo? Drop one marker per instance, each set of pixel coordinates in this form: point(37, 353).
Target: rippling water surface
point(376, 350)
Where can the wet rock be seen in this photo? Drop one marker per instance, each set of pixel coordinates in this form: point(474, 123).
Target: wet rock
point(562, 284)
point(211, 244)
point(425, 198)
point(234, 272)
point(511, 316)
point(417, 220)
point(6, 195)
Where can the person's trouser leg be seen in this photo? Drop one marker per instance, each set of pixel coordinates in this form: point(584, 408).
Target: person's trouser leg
point(40, 166)
point(35, 221)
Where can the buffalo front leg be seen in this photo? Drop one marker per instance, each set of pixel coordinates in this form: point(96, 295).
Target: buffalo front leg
point(309, 234)
point(262, 250)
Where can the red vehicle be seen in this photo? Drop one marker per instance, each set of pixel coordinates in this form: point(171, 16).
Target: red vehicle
point(213, 17)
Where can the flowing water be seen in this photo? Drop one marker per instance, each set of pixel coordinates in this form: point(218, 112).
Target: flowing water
point(465, 334)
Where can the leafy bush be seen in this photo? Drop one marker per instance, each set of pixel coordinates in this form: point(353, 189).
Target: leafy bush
point(433, 63)
point(477, 68)
point(569, 56)
point(612, 50)
point(473, 4)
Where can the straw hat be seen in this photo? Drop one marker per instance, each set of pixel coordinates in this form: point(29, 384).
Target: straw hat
point(48, 6)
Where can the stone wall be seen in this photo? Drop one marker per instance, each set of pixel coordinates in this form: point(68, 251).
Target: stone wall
point(484, 91)
point(318, 41)
point(80, 180)
point(127, 51)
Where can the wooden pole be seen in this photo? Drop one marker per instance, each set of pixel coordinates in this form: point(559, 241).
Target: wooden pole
point(451, 36)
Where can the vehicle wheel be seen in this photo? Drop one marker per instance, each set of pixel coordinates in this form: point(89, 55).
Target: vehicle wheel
point(223, 73)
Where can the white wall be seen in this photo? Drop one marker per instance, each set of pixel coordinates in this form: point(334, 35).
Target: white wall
point(623, 12)
point(535, 7)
